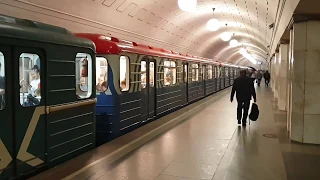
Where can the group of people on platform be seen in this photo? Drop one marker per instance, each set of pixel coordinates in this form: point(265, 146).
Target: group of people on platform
point(258, 75)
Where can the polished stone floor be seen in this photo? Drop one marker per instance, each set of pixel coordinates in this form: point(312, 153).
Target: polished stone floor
point(209, 145)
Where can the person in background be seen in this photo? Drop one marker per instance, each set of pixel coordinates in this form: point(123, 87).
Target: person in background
point(2, 90)
point(267, 78)
point(259, 77)
point(33, 87)
point(253, 75)
point(244, 88)
point(2, 84)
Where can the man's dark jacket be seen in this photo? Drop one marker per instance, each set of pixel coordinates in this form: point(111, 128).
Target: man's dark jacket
point(244, 89)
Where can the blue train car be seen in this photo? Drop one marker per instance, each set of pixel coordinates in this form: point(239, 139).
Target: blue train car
point(137, 83)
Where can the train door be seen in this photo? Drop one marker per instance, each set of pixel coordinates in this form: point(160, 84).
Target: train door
point(204, 78)
point(185, 82)
point(6, 125)
point(29, 119)
point(148, 88)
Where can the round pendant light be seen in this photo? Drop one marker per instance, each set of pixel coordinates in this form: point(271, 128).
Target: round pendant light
point(187, 5)
point(234, 43)
point(226, 36)
point(213, 24)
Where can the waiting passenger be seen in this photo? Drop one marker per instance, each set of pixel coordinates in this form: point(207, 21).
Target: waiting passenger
point(259, 77)
point(102, 85)
point(123, 84)
point(266, 78)
point(244, 89)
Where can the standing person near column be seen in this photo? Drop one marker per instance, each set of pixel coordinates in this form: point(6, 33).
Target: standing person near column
point(244, 89)
point(267, 78)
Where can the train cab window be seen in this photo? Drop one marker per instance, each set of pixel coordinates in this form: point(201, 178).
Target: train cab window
point(2, 82)
point(143, 74)
point(83, 75)
point(124, 73)
point(170, 73)
point(151, 74)
point(195, 72)
point(209, 71)
point(101, 74)
point(185, 73)
point(29, 75)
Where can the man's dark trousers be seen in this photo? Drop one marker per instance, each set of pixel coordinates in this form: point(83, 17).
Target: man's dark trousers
point(243, 104)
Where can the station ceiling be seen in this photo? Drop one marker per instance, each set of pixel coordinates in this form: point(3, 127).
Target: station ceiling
point(163, 24)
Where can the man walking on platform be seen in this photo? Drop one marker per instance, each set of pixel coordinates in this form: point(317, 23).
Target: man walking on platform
point(243, 86)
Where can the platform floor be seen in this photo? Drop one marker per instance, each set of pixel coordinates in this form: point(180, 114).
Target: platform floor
point(205, 144)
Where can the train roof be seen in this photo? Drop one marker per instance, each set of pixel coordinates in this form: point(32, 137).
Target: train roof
point(112, 45)
point(31, 30)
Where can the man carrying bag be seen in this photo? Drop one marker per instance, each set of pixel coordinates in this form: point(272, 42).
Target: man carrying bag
point(244, 88)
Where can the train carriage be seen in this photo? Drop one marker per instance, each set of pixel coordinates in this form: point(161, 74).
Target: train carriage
point(47, 112)
point(142, 83)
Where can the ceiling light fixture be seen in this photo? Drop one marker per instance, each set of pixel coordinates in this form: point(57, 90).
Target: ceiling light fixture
point(187, 5)
point(226, 36)
point(234, 43)
point(213, 24)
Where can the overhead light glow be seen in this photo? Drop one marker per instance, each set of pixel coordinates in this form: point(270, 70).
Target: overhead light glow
point(226, 36)
point(234, 43)
point(247, 55)
point(213, 24)
point(187, 5)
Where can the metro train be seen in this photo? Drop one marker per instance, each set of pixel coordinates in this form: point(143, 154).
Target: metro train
point(137, 83)
point(62, 94)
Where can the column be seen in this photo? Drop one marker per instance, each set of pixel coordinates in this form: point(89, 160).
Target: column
point(305, 115)
point(273, 72)
point(289, 85)
point(282, 77)
point(276, 75)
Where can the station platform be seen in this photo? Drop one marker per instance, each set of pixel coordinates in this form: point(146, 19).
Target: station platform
point(200, 142)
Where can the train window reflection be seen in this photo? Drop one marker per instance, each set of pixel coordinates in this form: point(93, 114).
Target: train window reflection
point(209, 71)
point(143, 74)
point(185, 73)
point(226, 72)
point(83, 75)
point(195, 72)
point(2, 82)
point(170, 73)
point(151, 74)
point(30, 83)
point(124, 73)
point(101, 74)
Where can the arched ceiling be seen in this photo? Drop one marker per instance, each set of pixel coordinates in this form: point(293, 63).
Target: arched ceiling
point(161, 23)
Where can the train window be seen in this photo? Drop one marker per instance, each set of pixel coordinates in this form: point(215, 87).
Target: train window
point(151, 74)
point(195, 72)
point(203, 72)
point(143, 74)
point(30, 84)
point(124, 73)
point(2, 82)
point(226, 72)
point(83, 75)
point(101, 74)
point(185, 73)
point(170, 72)
point(209, 71)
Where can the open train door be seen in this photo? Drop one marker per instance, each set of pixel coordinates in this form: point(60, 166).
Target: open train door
point(6, 104)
